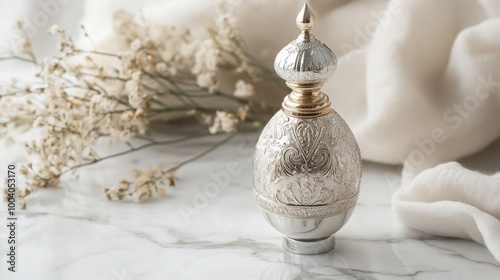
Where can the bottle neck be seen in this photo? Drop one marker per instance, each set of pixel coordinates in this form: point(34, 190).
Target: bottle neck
point(306, 101)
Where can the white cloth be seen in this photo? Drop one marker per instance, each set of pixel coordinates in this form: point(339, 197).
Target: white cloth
point(422, 90)
point(427, 91)
point(449, 200)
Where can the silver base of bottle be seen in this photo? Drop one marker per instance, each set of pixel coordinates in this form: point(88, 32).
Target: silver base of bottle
point(309, 247)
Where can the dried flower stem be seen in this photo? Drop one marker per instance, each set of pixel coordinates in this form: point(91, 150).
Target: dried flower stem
point(132, 149)
point(209, 150)
point(19, 58)
point(84, 96)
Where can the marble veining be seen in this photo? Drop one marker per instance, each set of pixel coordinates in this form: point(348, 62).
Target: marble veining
point(74, 233)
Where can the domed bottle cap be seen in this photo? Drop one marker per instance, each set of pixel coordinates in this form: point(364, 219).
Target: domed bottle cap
point(306, 59)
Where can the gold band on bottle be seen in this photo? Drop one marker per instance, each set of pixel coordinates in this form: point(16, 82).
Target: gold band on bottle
point(306, 101)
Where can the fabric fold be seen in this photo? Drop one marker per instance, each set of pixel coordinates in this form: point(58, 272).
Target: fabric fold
point(450, 200)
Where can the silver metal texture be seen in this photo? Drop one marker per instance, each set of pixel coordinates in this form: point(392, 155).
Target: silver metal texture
point(307, 175)
point(309, 248)
point(304, 61)
point(307, 164)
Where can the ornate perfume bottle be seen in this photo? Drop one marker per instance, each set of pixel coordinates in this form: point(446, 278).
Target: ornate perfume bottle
point(307, 164)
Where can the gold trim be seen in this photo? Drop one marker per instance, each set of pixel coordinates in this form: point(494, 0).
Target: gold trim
point(306, 101)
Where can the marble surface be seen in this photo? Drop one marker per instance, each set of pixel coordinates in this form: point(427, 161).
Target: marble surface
point(198, 232)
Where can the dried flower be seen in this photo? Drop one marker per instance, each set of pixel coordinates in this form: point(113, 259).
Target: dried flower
point(81, 99)
point(223, 122)
point(243, 112)
point(55, 29)
point(135, 45)
point(243, 90)
point(161, 67)
point(148, 182)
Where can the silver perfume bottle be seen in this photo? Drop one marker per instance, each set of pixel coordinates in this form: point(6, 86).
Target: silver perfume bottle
point(307, 164)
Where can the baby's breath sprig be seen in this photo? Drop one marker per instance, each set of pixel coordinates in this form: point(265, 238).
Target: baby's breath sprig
point(86, 95)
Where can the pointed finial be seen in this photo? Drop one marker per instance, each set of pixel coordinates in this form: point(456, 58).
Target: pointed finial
point(306, 20)
point(306, 64)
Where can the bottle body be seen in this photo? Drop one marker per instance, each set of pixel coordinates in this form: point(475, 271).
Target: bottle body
point(307, 173)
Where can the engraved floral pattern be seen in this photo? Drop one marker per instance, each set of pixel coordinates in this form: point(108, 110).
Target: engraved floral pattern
point(302, 61)
point(307, 162)
point(305, 191)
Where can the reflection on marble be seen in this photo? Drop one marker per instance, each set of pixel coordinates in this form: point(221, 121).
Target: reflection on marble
point(209, 227)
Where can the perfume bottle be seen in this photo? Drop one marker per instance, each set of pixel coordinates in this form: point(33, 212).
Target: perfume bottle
point(307, 164)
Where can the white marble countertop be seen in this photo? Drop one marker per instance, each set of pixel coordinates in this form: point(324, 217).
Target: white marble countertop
point(74, 233)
